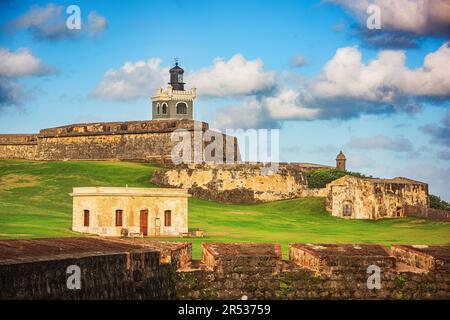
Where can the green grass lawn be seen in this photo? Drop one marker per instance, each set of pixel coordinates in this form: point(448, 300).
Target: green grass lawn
point(35, 202)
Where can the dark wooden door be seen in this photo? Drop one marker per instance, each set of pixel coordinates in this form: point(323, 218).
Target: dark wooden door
point(144, 222)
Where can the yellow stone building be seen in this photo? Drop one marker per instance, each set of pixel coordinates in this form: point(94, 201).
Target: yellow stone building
point(127, 211)
point(367, 198)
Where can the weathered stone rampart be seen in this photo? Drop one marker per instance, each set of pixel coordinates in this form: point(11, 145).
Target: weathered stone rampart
point(132, 140)
point(427, 213)
point(18, 146)
point(141, 269)
point(367, 198)
point(240, 183)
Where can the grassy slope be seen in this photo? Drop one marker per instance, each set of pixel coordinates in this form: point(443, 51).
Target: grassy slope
point(35, 202)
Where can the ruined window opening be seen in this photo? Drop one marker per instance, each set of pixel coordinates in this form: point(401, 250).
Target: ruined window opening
point(167, 218)
point(164, 108)
point(399, 211)
point(181, 108)
point(347, 209)
point(119, 218)
point(86, 218)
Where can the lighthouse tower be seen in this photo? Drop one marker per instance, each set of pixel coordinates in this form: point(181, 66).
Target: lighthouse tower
point(175, 102)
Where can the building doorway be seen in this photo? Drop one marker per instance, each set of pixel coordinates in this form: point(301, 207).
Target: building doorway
point(157, 226)
point(144, 222)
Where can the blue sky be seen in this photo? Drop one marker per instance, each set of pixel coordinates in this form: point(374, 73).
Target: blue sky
point(405, 136)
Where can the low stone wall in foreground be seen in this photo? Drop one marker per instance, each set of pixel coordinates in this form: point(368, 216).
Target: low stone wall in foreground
point(142, 269)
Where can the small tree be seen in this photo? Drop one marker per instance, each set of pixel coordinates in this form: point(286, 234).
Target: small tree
point(437, 203)
point(319, 178)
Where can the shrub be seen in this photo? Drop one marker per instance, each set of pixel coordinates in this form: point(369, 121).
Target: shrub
point(320, 177)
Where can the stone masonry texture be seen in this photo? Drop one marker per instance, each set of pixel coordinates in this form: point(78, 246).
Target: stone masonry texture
point(240, 183)
point(144, 269)
point(132, 140)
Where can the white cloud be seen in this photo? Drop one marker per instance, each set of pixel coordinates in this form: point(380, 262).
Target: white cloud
point(245, 115)
point(13, 65)
point(286, 105)
point(385, 78)
point(49, 23)
point(20, 63)
point(298, 60)
point(133, 80)
point(235, 77)
point(265, 111)
point(96, 23)
point(421, 17)
point(399, 144)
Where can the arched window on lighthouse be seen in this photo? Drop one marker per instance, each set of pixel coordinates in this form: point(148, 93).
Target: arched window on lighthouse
point(164, 108)
point(181, 108)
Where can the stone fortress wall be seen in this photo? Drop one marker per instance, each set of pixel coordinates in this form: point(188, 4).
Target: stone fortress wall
point(140, 269)
point(369, 198)
point(18, 146)
point(240, 183)
point(132, 140)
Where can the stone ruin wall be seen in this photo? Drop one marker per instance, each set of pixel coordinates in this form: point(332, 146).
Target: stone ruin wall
point(133, 140)
point(239, 183)
point(427, 213)
point(230, 271)
point(375, 200)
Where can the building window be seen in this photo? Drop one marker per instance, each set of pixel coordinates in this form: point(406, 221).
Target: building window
point(157, 109)
point(86, 218)
point(181, 108)
point(399, 211)
point(164, 108)
point(167, 218)
point(119, 218)
point(347, 209)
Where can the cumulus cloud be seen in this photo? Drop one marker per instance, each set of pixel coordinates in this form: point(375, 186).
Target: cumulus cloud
point(347, 87)
point(416, 16)
point(21, 63)
point(402, 21)
point(439, 133)
point(399, 144)
point(298, 60)
point(96, 23)
point(386, 78)
point(131, 81)
point(235, 77)
point(48, 23)
point(14, 65)
point(265, 111)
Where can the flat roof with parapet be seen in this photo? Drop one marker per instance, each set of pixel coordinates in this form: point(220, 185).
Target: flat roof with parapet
point(126, 191)
point(30, 250)
point(243, 249)
point(398, 180)
point(326, 250)
point(425, 257)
